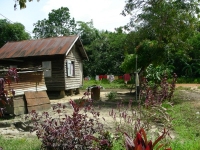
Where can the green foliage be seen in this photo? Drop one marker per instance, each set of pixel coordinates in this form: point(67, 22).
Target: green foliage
point(148, 52)
point(59, 23)
point(22, 3)
point(106, 53)
point(128, 65)
point(167, 21)
point(118, 143)
point(10, 32)
point(190, 65)
point(160, 31)
point(188, 80)
point(155, 73)
point(87, 32)
point(105, 84)
point(112, 95)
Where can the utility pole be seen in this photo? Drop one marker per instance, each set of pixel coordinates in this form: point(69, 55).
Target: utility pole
point(136, 78)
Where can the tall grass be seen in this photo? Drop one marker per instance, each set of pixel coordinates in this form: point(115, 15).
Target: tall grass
point(186, 125)
point(20, 143)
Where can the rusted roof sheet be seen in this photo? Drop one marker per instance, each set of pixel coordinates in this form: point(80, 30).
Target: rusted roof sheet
point(41, 47)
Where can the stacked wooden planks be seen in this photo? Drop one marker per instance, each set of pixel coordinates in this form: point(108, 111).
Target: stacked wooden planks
point(38, 101)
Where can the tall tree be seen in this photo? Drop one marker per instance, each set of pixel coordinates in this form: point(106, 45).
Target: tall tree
point(106, 53)
point(163, 27)
point(191, 65)
point(59, 23)
point(12, 32)
point(87, 32)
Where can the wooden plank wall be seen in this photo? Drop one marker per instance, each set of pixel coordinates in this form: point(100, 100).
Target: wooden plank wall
point(76, 81)
point(57, 81)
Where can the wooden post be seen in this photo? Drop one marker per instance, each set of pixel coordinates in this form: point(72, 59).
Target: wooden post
point(77, 91)
point(62, 93)
point(71, 92)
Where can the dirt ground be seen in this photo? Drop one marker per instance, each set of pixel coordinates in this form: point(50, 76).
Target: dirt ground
point(15, 128)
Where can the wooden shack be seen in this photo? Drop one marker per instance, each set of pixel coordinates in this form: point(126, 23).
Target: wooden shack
point(60, 58)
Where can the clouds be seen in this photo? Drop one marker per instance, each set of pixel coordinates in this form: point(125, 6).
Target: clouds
point(105, 13)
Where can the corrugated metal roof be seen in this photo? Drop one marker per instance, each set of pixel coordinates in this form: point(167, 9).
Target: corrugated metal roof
point(41, 47)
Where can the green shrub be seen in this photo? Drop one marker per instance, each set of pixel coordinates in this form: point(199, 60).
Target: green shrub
point(112, 95)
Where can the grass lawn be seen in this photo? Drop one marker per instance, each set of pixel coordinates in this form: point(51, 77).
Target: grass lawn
point(116, 84)
point(186, 125)
point(20, 144)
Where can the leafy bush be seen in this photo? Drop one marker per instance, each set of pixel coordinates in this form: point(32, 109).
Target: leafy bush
point(118, 142)
point(188, 80)
point(80, 130)
point(159, 92)
point(155, 73)
point(151, 110)
point(112, 95)
point(153, 99)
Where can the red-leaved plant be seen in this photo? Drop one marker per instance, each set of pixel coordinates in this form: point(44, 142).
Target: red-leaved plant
point(6, 95)
point(159, 92)
point(80, 130)
point(149, 112)
point(141, 143)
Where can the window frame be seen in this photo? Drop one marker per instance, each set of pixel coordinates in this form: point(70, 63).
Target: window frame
point(47, 71)
point(70, 68)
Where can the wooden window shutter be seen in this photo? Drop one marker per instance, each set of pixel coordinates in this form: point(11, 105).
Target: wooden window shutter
point(69, 73)
point(46, 65)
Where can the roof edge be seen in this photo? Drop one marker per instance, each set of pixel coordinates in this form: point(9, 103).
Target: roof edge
point(71, 46)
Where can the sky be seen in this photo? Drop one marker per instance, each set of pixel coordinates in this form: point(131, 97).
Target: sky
point(104, 13)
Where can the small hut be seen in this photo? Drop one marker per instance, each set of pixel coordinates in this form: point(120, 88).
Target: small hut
point(59, 59)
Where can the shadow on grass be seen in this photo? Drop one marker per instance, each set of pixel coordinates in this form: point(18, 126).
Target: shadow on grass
point(181, 96)
point(123, 98)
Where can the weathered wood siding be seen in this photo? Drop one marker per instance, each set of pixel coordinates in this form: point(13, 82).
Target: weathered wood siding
point(57, 81)
point(75, 81)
